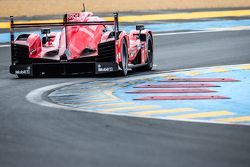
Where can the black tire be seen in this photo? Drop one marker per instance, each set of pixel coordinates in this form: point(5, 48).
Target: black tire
point(124, 56)
point(150, 53)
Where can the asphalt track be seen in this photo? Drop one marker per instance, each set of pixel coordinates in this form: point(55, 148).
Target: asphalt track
point(31, 135)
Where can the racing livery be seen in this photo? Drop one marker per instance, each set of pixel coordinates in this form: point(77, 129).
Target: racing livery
point(85, 43)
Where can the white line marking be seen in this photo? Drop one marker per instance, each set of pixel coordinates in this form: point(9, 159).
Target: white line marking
point(195, 32)
point(35, 97)
point(4, 46)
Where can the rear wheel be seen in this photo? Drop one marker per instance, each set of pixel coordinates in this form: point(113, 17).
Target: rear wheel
point(150, 54)
point(124, 56)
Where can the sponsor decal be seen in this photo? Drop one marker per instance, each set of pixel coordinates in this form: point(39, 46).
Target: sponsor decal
point(104, 69)
point(73, 17)
point(24, 71)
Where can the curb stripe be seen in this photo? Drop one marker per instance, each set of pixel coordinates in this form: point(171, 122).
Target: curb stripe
point(114, 104)
point(172, 91)
point(192, 73)
point(200, 80)
point(129, 108)
point(176, 86)
point(202, 115)
point(182, 98)
point(165, 111)
point(236, 119)
point(219, 70)
point(245, 67)
point(98, 101)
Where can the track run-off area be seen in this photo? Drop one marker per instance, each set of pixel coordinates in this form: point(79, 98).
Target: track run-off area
point(178, 95)
point(191, 110)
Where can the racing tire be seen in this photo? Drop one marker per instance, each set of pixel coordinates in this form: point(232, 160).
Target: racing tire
point(150, 54)
point(124, 56)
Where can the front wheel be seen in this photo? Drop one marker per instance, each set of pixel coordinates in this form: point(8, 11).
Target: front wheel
point(124, 56)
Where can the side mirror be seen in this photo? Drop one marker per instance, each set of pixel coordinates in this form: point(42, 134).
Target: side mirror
point(140, 27)
point(45, 31)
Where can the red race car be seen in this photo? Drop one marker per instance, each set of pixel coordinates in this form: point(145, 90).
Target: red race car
point(86, 43)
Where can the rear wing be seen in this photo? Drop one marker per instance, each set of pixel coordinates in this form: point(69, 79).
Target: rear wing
point(65, 24)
